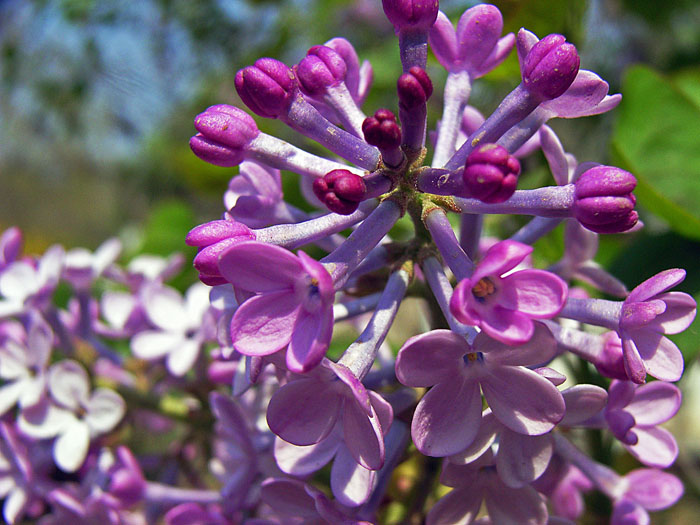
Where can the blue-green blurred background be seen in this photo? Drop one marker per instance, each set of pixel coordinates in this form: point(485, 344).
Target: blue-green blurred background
point(97, 99)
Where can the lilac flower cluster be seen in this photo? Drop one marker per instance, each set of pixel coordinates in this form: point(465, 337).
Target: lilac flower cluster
point(132, 403)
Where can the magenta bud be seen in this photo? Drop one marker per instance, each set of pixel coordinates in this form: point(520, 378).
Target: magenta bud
point(127, 483)
point(381, 130)
point(550, 67)
point(411, 14)
point(603, 200)
point(340, 190)
point(224, 133)
point(213, 238)
point(491, 173)
point(414, 87)
point(267, 87)
point(321, 68)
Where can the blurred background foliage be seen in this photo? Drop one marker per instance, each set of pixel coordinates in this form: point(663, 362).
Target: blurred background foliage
point(97, 99)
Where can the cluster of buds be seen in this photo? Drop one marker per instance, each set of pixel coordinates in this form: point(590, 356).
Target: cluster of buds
point(238, 373)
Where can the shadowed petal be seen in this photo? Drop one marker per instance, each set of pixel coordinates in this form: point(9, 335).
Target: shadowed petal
point(522, 459)
point(488, 430)
point(302, 461)
point(679, 314)
point(310, 340)
point(303, 412)
point(363, 436)
point(508, 326)
point(520, 506)
point(458, 507)
point(540, 348)
point(522, 399)
point(582, 403)
point(68, 383)
point(661, 356)
point(654, 403)
point(447, 419)
point(351, 483)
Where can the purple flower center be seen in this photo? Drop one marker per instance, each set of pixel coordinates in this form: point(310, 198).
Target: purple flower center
point(473, 357)
point(309, 293)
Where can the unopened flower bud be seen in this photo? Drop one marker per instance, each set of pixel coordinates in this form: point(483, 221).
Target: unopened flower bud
point(603, 200)
point(381, 130)
point(224, 133)
point(267, 87)
point(340, 190)
point(411, 14)
point(550, 67)
point(212, 238)
point(127, 483)
point(321, 68)
point(491, 173)
point(414, 87)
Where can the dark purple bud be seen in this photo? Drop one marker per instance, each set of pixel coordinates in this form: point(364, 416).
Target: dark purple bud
point(411, 14)
point(550, 67)
point(603, 200)
point(621, 424)
point(381, 130)
point(414, 87)
point(340, 190)
point(491, 173)
point(213, 238)
point(321, 68)
point(267, 87)
point(224, 133)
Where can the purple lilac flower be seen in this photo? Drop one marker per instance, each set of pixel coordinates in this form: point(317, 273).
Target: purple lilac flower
point(10, 246)
point(15, 475)
point(306, 410)
point(633, 414)
point(447, 419)
point(293, 305)
point(503, 304)
point(81, 267)
point(477, 482)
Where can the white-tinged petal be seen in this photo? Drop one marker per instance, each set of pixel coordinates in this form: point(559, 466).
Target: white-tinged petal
point(165, 308)
point(104, 410)
point(152, 344)
point(181, 359)
point(14, 506)
point(71, 446)
point(44, 421)
point(68, 384)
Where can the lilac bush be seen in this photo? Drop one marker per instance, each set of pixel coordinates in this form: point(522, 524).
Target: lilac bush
point(132, 403)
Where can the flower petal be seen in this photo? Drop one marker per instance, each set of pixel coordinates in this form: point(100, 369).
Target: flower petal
point(653, 489)
point(309, 340)
point(458, 507)
point(351, 483)
point(662, 358)
point(446, 420)
point(521, 399)
point(303, 411)
point(656, 284)
point(500, 258)
point(654, 403)
point(264, 324)
point(303, 461)
point(165, 307)
point(363, 436)
point(259, 267)
point(522, 459)
point(152, 344)
point(540, 348)
point(680, 313)
point(524, 505)
point(443, 349)
point(655, 447)
point(509, 326)
point(582, 403)
point(68, 383)
point(71, 446)
point(536, 293)
point(489, 428)
point(104, 410)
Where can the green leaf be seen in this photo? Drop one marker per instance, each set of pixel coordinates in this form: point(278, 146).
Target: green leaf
point(656, 138)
